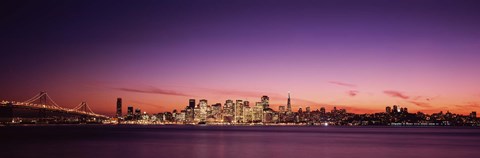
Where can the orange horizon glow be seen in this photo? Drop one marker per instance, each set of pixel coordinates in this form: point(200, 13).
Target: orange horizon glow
point(360, 103)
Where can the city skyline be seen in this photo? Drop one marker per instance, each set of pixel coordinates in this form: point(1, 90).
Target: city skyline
point(361, 56)
point(265, 100)
point(242, 112)
point(277, 108)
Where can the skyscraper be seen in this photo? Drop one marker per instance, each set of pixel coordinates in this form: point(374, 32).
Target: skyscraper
point(395, 109)
point(217, 111)
point(238, 108)
point(246, 103)
point(289, 106)
point(258, 112)
point(191, 110)
point(265, 100)
point(191, 103)
point(228, 111)
point(119, 107)
point(129, 113)
point(203, 109)
point(137, 114)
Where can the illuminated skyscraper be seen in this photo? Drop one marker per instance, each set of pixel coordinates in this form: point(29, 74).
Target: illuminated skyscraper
point(217, 111)
point(265, 102)
point(238, 111)
point(257, 113)
point(247, 114)
point(119, 107)
point(228, 111)
point(203, 109)
point(190, 112)
point(246, 103)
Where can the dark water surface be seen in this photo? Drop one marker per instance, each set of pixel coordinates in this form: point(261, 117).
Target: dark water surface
point(105, 141)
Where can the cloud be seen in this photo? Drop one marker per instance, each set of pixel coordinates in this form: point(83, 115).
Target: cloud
point(153, 90)
point(417, 98)
point(420, 101)
point(469, 105)
point(343, 84)
point(149, 104)
point(422, 98)
point(396, 94)
point(421, 104)
point(352, 93)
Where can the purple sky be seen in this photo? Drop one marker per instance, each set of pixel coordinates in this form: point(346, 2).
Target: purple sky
point(361, 55)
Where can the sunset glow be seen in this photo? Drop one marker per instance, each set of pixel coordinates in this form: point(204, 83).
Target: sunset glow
point(157, 55)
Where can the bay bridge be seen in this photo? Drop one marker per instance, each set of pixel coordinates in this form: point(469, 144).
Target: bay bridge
point(42, 109)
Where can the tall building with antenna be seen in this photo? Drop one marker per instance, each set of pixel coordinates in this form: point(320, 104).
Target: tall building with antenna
point(289, 105)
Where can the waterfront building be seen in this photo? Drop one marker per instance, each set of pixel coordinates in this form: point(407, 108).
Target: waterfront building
point(144, 116)
point(217, 112)
point(265, 102)
point(137, 114)
point(180, 117)
point(129, 112)
point(189, 112)
point(228, 111)
point(268, 116)
point(203, 110)
point(257, 112)
point(281, 109)
point(161, 116)
point(238, 108)
point(168, 117)
point(395, 109)
point(247, 114)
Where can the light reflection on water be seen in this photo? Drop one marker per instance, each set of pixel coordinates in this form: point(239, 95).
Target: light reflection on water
point(235, 142)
